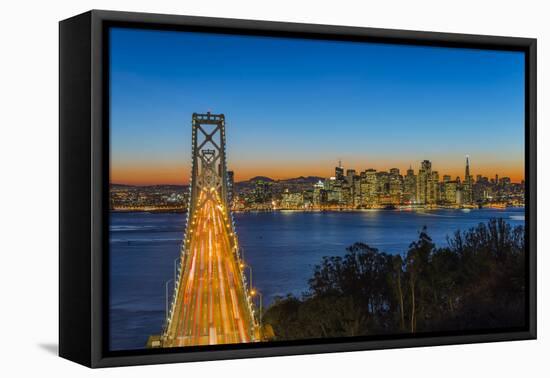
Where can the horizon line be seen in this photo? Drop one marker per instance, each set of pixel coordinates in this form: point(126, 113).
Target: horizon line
point(513, 181)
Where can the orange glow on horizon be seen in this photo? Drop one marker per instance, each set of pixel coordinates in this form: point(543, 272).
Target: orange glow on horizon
point(179, 174)
point(150, 175)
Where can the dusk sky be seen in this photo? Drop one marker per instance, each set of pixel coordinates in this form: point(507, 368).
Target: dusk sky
point(295, 107)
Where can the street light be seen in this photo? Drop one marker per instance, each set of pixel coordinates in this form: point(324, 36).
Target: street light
point(241, 251)
point(242, 266)
point(253, 292)
point(175, 269)
point(166, 297)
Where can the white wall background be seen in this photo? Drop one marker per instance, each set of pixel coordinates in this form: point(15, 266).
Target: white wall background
point(29, 185)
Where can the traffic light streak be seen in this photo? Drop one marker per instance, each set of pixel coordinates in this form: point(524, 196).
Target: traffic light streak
point(211, 306)
point(211, 303)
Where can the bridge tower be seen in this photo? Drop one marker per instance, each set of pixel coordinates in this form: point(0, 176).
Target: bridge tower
point(211, 303)
point(209, 166)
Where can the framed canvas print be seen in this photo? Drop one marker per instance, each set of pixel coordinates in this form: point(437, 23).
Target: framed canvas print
point(233, 188)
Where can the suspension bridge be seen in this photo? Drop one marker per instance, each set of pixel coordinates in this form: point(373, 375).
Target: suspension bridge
point(212, 301)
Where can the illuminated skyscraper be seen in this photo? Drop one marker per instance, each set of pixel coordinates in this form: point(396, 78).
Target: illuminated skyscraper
point(339, 171)
point(409, 186)
point(350, 174)
point(317, 195)
point(449, 195)
point(383, 186)
point(427, 184)
point(467, 185)
point(333, 189)
point(349, 189)
point(369, 185)
point(395, 186)
point(357, 191)
point(347, 194)
point(433, 188)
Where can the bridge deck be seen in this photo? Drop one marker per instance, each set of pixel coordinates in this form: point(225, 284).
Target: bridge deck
point(211, 305)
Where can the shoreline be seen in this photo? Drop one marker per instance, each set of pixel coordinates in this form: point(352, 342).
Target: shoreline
point(336, 210)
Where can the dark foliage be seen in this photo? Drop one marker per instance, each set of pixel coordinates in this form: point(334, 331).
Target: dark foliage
point(476, 282)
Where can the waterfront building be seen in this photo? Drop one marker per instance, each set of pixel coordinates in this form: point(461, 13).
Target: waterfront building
point(356, 191)
point(339, 189)
point(369, 188)
point(262, 192)
point(434, 188)
point(409, 186)
point(395, 186)
point(292, 200)
point(422, 182)
point(333, 189)
point(317, 188)
point(427, 184)
point(383, 183)
point(450, 192)
point(308, 198)
point(482, 189)
point(459, 197)
point(347, 194)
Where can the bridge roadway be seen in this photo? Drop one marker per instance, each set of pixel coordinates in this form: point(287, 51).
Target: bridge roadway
point(211, 305)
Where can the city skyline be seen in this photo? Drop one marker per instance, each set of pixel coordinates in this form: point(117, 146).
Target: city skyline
point(346, 189)
point(295, 107)
point(329, 172)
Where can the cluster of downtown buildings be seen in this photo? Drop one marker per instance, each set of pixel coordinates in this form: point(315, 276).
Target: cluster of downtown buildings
point(371, 189)
point(347, 189)
point(148, 198)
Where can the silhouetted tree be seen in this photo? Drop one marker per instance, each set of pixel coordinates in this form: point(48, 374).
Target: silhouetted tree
point(476, 282)
point(395, 279)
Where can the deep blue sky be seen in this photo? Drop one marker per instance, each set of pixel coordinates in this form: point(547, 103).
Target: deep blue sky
point(297, 106)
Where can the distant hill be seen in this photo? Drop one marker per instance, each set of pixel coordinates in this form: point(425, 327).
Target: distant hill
point(259, 178)
point(295, 180)
point(295, 184)
point(303, 180)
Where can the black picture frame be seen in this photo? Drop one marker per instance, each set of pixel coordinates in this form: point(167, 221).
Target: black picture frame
point(83, 181)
